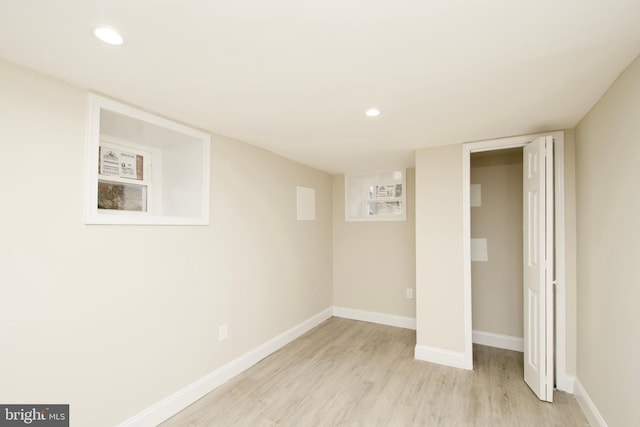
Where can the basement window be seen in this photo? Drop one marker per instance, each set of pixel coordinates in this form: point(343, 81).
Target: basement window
point(144, 169)
point(376, 196)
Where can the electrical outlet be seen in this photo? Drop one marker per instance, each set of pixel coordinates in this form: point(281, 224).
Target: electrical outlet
point(223, 332)
point(409, 293)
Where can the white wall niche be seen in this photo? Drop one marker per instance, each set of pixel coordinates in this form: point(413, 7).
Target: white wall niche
point(376, 196)
point(144, 169)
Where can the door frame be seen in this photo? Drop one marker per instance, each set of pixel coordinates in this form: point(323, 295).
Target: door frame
point(560, 350)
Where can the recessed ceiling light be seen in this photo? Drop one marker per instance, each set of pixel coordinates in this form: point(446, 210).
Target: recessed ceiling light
point(109, 36)
point(372, 112)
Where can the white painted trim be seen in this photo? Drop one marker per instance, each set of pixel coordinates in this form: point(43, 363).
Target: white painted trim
point(249, 359)
point(374, 317)
point(466, 254)
point(441, 357)
point(561, 313)
point(179, 400)
point(563, 382)
point(549, 281)
point(506, 342)
point(566, 383)
point(171, 405)
point(587, 406)
point(95, 104)
point(374, 218)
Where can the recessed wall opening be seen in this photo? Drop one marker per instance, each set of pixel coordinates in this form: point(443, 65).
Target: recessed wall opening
point(496, 248)
point(543, 246)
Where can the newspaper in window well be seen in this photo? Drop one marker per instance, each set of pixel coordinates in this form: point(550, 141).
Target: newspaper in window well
point(109, 162)
point(128, 165)
point(385, 191)
point(121, 164)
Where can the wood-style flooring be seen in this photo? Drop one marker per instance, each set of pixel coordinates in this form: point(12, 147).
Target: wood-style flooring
point(350, 373)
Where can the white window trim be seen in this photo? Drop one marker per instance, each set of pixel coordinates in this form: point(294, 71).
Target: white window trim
point(375, 218)
point(93, 215)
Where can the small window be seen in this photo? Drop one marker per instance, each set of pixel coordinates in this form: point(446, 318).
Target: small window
point(377, 196)
point(144, 169)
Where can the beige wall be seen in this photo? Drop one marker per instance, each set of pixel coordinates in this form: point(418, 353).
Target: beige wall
point(439, 272)
point(374, 262)
point(111, 319)
point(496, 285)
point(608, 206)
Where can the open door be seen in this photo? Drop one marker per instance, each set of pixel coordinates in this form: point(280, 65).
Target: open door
point(538, 266)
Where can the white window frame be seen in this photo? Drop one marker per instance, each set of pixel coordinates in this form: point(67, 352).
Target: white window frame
point(362, 198)
point(153, 172)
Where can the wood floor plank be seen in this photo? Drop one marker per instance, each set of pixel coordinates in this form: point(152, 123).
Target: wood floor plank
point(350, 373)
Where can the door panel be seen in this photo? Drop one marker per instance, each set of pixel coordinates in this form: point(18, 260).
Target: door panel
point(538, 269)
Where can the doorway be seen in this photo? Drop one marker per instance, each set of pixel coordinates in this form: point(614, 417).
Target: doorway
point(559, 346)
point(496, 248)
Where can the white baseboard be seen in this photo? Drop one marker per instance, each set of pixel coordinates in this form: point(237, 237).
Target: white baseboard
point(587, 406)
point(566, 383)
point(441, 356)
point(373, 317)
point(425, 353)
point(179, 400)
point(506, 342)
point(249, 359)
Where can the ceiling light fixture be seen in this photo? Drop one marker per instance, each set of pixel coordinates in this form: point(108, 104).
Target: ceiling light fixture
point(372, 112)
point(109, 36)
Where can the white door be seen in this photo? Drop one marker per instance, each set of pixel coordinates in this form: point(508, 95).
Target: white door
point(538, 266)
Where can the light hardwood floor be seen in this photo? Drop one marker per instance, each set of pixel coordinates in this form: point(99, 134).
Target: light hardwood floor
point(350, 373)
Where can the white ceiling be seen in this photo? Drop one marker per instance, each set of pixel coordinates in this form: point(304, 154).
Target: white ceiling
point(295, 76)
